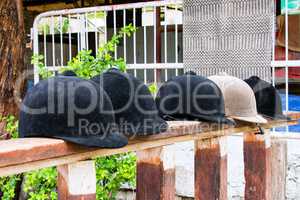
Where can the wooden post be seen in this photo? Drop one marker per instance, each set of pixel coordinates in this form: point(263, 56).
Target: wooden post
point(211, 169)
point(257, 154)
point(156, 174)
point(278, 168)
point(77, 181)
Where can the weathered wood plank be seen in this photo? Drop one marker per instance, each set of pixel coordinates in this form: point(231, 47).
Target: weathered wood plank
point(156, 174)
point(77, 181)
point(257, 160)
point(294, 115)
point(38, 153)
point(278, 168)
point(211, 169)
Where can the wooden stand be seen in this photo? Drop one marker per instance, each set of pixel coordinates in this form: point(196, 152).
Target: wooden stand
point(278, 168)
point(156, 174)
point(257, 159)
point(211, 169)
point(77, 181)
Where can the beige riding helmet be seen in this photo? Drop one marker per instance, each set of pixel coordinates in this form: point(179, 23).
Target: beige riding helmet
point(239, 99)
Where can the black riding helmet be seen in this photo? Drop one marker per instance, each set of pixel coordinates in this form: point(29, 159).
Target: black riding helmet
point(191, 97)
point(268, 100)
point(134, 106)
point(71, 109)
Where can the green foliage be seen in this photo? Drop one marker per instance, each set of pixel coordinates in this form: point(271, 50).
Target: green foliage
point(42, 69)
point(153, 89)
point(62, 27)
point(59, 26)
point(8, 184)
point(112, 172)
point(41, 184)
point(85, 65)
point(11, 125)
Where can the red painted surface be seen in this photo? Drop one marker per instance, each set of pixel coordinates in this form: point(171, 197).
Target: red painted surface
point(294, 72)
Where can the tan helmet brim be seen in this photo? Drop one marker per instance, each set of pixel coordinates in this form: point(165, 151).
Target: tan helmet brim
point(254, 119)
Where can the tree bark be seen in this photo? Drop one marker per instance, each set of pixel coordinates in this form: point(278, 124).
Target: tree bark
point(12, 50)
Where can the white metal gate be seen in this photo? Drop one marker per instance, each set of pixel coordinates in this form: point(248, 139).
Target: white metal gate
point(153, 53)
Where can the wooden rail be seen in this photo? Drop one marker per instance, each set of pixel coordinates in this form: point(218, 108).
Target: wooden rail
point(155, 168)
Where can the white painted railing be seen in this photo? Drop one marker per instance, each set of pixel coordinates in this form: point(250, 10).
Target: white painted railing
point(153, 53)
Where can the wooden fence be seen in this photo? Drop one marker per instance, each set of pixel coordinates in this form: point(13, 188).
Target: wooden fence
point(155, 164)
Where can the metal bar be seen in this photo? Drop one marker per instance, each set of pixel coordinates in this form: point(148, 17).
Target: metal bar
point(141, 66)
point(145, 49)
point(124, 36)
point(45, 46)
point(134, 34)
point(145, 40)
point(165, 36)
point(145, 76)
point(134, 40)
point(61, 42)
point(115, 31)
point(176, 36)
point(286, 57)
point(105, 28)
point(166, 75)
point(78, 36)
point(290, 63)
point(154, 28)
point(156, 66)
point(96, 34)
point(166, 42)
point(70, 39)
point(273, 48)
point(36, 48)
point(107, 8)
point(273, 45)
point(53, 41)
point(86, 31)
point(158, 41)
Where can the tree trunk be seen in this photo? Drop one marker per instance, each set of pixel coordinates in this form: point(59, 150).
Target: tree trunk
point(12, 49)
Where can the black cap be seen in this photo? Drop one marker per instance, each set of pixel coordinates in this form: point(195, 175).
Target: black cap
point(68, 73)
point(134, 106)
point(191, 97)
point(72, 109)
point(268, 100)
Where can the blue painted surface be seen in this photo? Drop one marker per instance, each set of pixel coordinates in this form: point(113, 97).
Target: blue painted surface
point(294, 105)
point(294, 102)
